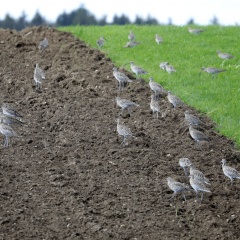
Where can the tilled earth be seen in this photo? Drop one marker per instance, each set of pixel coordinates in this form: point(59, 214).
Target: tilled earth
point(67, 175)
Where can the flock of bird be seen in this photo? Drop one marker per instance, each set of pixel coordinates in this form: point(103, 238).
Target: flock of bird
point(198, 182)
point(9, 116)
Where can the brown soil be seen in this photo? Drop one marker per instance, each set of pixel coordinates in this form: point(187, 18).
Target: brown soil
point(68, 177)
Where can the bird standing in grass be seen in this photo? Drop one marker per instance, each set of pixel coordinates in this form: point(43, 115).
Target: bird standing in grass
point(177, 187)
point(137, 70)
point(100, 42)
point(224, 56)
point(131, 36)
point(126, 104)
point(121, 77)
point(230, 172)
point(162, 65)
point(213, 71)
point(131, 44)
point(158, 39)
point(170, 69)
point(195, 31)
point(124, 131)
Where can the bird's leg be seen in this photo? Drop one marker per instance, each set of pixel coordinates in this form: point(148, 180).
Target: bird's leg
point(185, 171)
point(223, 63)
point(184, 197)
point(171, 199)
point(157, 114)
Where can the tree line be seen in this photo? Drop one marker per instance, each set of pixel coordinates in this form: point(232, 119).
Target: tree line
point(81, 16)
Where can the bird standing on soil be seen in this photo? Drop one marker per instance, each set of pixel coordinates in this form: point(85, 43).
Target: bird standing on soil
point(155, 87)
point(230, 172)
point(131, 44)
point(137, 70)
point(38, 76)
point(100, 42)
point(198, 175)
point(191, 119)
point(43, 44)
point(158, 39)
point(126, 104)
point(177, 187)
point(124, 131)
point(198, 186)
point(7, 110)
point(213, 71)
point(198, 136)
point(9, 120)
point(121, 77)
point(185, 163)
point(131, 36)
point(174, 100)
point(154, 105)
point(8, 132)
point(195, 31)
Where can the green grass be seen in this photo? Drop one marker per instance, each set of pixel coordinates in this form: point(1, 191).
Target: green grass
point(219, 97)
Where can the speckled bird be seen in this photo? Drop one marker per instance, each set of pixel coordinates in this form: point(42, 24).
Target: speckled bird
point(213, 71)
point(7, 110)
point(177, 187)
point(185, 163)
point(124, 131)
point(198, 186)
point(170, 69)
point(43, 44)
point(162, 65)
point(131, 44)
point(100, 42)
point(155, 87)
point(137, 70)
point(197, 135)
point(174, 100)
point(158, 39)
point(230, 172)
point(125, 104)
point(121, 77)
point(154, 105)
point(195, 31)
point(191, 119)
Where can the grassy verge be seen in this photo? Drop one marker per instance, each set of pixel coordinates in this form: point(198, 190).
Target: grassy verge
point(218, 97)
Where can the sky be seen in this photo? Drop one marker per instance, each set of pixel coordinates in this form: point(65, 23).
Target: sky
point(180, 11)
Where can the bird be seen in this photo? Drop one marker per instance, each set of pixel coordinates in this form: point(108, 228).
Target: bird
point(162, 65)
point(158, 39)
point(100, 42)
point(191, 119)
point(224, 56)
point(230, 172)
point(174, 100)
point(170, 69)
point(212, 70)
point(155, 87)
point(121, 77)
point(198, 174)
point(154, 105)
point(7, 110)
point(43, 44)
point(131, 44)
point(124, 131)
point(185, 163)
point(38, 76)
point(195, 31)
point(198, 186)
point(137, 70)
point(177, 187)
point(9, 120)
point(8, 132)
point(197, 135)
point(131, 36)
point(126, 104)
